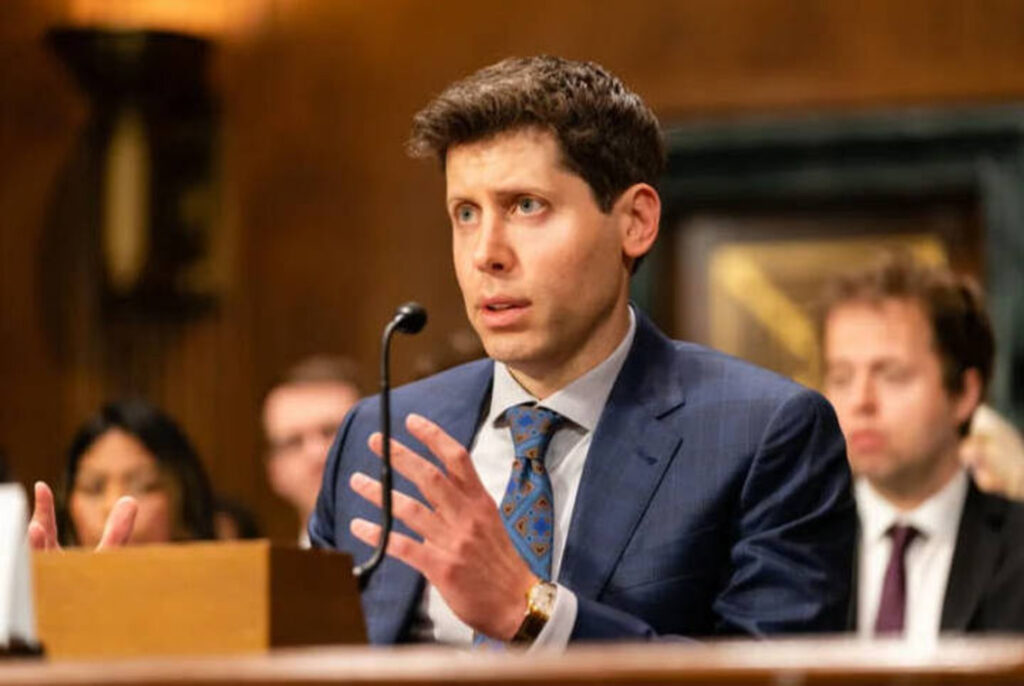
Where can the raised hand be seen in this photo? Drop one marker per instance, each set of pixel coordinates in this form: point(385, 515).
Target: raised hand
point(42, 529)
point(465, 553)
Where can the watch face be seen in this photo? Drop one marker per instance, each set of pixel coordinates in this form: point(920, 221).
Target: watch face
point(542, 598)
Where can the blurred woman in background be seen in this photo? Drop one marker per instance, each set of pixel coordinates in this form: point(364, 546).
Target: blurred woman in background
point(131, 448)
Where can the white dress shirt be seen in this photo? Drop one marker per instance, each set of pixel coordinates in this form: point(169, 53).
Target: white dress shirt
point(928, 556)
point(492, 452)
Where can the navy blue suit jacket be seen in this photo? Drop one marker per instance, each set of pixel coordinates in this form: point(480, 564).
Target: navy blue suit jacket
point(715, 499)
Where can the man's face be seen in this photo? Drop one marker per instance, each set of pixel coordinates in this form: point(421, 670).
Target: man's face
point(884, 378)
point(300, 421)
point(541, 268)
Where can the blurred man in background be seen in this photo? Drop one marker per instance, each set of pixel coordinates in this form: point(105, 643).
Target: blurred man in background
point(301, 414)
point(908, 354)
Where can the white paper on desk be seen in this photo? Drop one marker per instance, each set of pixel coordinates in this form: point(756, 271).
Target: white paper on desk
point(17, 615)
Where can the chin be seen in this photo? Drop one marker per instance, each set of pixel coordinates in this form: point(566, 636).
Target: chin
point(869, 466)
point(508, 348)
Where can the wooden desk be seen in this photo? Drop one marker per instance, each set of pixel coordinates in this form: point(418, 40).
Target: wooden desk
point(780, 663)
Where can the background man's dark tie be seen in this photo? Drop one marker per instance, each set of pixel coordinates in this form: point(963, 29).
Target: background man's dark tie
point(893, 605)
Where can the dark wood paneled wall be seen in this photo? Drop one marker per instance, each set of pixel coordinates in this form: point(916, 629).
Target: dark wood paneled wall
point(330, 225)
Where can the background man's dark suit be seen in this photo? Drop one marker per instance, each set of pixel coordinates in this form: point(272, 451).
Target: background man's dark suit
point(985, 590)
point(715, 499)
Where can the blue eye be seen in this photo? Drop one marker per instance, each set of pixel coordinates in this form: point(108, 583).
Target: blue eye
point(465, 214)
point(528, 205)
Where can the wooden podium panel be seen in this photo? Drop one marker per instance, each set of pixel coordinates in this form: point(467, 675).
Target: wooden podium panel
point(196, 598)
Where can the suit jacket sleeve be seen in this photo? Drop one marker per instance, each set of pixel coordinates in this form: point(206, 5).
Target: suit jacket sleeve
point(321, 524)
point(793, 529)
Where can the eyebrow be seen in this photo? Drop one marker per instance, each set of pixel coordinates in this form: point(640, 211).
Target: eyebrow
point(504, 194)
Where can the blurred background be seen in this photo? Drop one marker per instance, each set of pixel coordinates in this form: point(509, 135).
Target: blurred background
point(196, 193)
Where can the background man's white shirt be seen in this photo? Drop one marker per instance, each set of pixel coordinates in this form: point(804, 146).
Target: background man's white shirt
point(492, 452)
point(928, 557)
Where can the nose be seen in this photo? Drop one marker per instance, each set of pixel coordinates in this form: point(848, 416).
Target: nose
point(864, 395)
point(492, 252)
point(111, 495)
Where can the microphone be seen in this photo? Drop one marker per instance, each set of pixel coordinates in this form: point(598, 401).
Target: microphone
point(410, 318)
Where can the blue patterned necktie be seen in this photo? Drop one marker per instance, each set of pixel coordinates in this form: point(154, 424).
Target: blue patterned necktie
point(528, 505)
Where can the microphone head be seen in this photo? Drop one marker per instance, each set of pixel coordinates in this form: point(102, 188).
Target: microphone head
point(410, 317)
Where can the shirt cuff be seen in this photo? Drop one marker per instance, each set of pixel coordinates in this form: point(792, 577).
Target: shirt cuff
point(555, 634)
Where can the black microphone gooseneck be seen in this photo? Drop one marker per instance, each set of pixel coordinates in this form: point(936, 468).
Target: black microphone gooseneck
point(410, 318)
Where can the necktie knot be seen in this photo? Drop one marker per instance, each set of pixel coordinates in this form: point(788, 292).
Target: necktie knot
point(532, 428)
point(902, 536)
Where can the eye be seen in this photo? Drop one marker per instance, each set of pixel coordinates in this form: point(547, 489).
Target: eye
point(529, 205)
point(466, 214)
point(837, 377)
point(141, 484)
point(897, 375)
point(90, 486)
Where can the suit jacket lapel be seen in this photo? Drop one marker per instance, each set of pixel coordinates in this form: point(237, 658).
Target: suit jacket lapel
point(628, 456)
point(975, 555)
point(395, 587)
point(853, 611)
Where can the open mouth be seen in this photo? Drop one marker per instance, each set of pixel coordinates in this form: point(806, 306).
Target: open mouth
point(502, 312)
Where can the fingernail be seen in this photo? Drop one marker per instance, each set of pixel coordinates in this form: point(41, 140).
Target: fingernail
point(415, 421)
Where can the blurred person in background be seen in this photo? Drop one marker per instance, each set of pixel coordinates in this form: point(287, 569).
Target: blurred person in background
point(132, 476)
point(908, 354)
point(233, 521)
point(301, 415)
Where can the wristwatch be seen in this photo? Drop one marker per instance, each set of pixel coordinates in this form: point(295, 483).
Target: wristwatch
point(540, 603)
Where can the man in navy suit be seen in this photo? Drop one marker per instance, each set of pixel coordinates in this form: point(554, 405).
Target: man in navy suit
point(693, 494)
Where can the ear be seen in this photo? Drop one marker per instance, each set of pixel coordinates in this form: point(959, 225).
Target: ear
point(967, 401)
point(640, 209)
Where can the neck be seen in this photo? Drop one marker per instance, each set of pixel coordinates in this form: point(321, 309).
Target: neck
point(911, 490)
point(543, 380)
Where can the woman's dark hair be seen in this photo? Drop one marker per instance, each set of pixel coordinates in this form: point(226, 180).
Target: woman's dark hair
point(242, 517)
point(175, 456)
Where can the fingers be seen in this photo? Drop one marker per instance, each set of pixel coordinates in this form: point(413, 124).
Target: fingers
point(452, 454)
point(120, 523)
point(413, 513)
point(431, 481)
point(400, 546)
point(42, 529)
point(37, 539)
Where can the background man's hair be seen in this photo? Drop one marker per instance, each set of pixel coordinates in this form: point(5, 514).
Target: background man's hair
point(321, 369)
point(607, 135)
point(953, 304)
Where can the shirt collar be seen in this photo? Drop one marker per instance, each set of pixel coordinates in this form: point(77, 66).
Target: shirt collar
point(937, 518)
point(581, 402)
